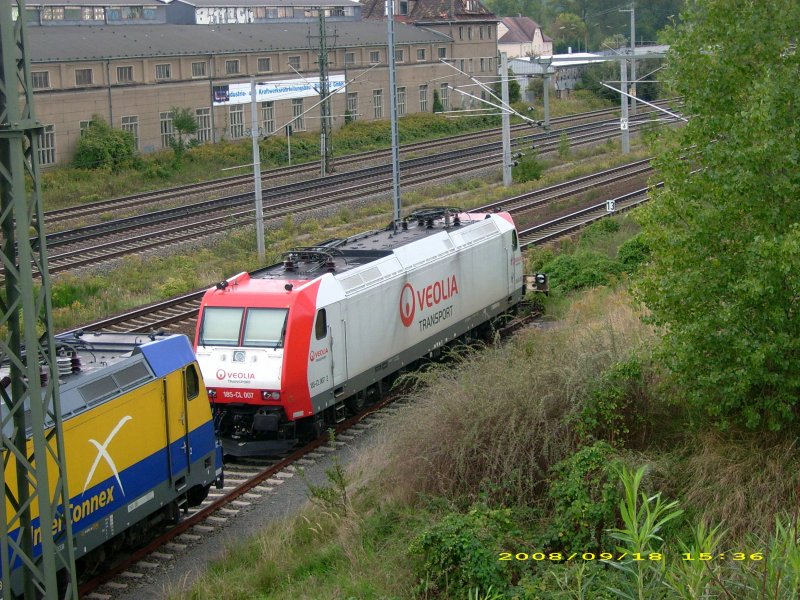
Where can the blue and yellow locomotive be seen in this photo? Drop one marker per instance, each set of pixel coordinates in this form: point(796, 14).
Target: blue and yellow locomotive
point(139, 441)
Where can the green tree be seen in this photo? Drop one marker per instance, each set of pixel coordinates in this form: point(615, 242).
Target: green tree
point(437, 102)
point(514, 94)
point(184, 124)
point(724, 230)
point(102, 146)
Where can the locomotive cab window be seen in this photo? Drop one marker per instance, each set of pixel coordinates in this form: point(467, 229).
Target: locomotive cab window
point(321, 326)
point(221, 326)
point(514, 241)
point(192, 381)
point(265, 327)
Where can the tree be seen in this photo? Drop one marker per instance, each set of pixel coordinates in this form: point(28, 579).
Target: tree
point(724, 277)
point(568, 31)
point(184, 124)
point(514, 94)
point(437, 102)
point(102, 146)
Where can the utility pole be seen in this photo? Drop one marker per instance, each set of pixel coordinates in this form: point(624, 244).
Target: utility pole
point(506, 121)
point(34, 474)
point(324, 95)
point(393, 116)
point(632, 10)
point(623, 122)
point(254, 135)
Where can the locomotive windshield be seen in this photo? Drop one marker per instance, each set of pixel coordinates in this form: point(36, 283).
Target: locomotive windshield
point(263, 327)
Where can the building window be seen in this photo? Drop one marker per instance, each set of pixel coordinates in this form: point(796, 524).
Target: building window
point(352, 105)
point(462, 65)
point(236, 121)
point(294, 62)
point(53, 13)
point(299, 123)
point(374, 57)
point(489, 31)
point(349, 59)
point(423, 98)
point(402, 8)
point(483, 65)
point(83, 126)
point(469, 33)
point(264, 65)
point(202, 117)
point(491, 64)
point(471, 70)
point(444, 95)
point(83, 77)
point(232, 67)
point(164, 71)
point(40, 80)
point(268, 117)
point(398, 56)
point(198, 69)
point(461, 33)
point(401, 101)
point(47, 145)
point(420, 53)
point(131, 125)
point(377, 104)
point(442, 52)
point(167, 132)
point(93, 14)
point(480, 32)
point(124, 74)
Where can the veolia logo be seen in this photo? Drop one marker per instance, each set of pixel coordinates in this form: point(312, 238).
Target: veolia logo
point(315, 354)
point(427, 297)
point(221, 374)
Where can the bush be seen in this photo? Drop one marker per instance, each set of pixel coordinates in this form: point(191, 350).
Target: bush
point(633, 253)
point(583, 269)
point(101, 146)
point(528, 169)
point(461, 552)
point(584, 499)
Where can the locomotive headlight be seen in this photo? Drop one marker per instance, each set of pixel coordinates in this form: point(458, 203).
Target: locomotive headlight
point(212, 393)
point(268, 395)
point(276, 395)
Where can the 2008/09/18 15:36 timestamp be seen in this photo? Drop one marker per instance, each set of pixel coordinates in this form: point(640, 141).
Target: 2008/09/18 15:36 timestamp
point(619, 556)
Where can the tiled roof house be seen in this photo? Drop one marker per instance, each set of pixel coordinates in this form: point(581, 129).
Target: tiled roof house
point(522, 36)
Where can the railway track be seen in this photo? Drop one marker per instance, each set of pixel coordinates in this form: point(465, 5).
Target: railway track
point(90, 246)
point(146, 200)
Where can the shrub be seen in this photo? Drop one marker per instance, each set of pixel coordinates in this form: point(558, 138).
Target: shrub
point(583, 269)
point(529, 168)
point(633, 253)
point(461, 552)
point(583, 493)
point(102, 146)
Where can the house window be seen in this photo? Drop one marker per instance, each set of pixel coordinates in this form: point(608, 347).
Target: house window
point(232, 67)
point(420, 53)
point(374, 57)
point(264, 65)
point(423, 98)
point(83, 77)
point(198, 69)
point(442, 52)
point(401, 101)
point(167, 132)
point(47, 145)
point(491, 64)
point(83, 126)
point(462, 65)
point(489, 31)
point(294, 62)
point(402, 7)
point(349, 59)
point(469, 33)
point(483, 65)
point(352, 105)
point(164, 71)
point(398, 56)
point(124, 74)
point(202, 117)
point(268, 116)
point(444, 95)
point(131, 125)
point(377, 104)
point(480, 32)
point(461, 33)
point(40, 80)
point(299, 123)
point(236, 121)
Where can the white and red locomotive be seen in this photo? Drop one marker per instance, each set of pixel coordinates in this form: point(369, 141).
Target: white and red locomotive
point(285, 350)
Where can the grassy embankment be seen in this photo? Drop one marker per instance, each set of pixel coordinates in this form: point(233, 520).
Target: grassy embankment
point(535, 446)
point(135, 281)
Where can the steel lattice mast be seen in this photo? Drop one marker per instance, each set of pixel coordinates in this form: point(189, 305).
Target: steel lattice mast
point(30, 403)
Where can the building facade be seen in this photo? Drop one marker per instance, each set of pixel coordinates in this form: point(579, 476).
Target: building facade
point(521, 36)
point(133, 74)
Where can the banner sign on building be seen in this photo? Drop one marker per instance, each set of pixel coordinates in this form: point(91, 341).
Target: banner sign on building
point(267, 91)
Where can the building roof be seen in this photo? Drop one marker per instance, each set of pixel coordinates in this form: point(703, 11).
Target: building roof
point(432, 11)
point(270, 3)
point(520, 30)
point(104, 3)
point(74, 43)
